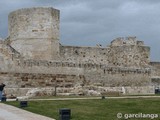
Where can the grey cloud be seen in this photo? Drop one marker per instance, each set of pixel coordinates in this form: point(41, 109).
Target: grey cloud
point(88, 22)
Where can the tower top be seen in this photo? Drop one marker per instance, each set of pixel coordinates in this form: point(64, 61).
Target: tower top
point(36, 22)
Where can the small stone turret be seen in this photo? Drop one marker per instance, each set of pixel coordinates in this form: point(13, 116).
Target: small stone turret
point(34, 32)
point(126, 41)
point(129, 52)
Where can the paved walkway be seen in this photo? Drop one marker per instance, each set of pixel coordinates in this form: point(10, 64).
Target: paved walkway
point(8, 112)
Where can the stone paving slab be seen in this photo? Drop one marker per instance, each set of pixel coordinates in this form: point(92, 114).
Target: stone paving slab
point(8, 112)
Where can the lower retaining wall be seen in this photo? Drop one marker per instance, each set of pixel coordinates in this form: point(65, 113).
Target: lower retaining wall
point(85, 90)
point(140, 90)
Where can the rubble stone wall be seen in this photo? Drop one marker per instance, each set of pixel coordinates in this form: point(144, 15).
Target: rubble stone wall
point(120, 56)
point(155, 74)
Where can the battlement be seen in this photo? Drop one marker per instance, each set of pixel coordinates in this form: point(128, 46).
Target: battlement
point(121, 41)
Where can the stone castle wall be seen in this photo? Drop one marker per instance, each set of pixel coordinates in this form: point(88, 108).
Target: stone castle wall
point(155, 74)
point(67, 75)
point(117, 54)
point(32, 57)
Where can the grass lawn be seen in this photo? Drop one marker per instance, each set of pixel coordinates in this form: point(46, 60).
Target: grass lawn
point(106, 109)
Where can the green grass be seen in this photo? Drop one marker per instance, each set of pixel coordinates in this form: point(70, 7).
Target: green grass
point(106, 109)
point(54, 97)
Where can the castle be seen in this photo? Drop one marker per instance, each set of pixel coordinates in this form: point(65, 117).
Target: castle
point(32, 57)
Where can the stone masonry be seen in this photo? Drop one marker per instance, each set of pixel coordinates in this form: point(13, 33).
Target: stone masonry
point(31, 57)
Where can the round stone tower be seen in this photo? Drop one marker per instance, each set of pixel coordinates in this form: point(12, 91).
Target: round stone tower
point(34, 32)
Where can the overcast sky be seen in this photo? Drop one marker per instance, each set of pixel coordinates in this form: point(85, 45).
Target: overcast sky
point(91, 22)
